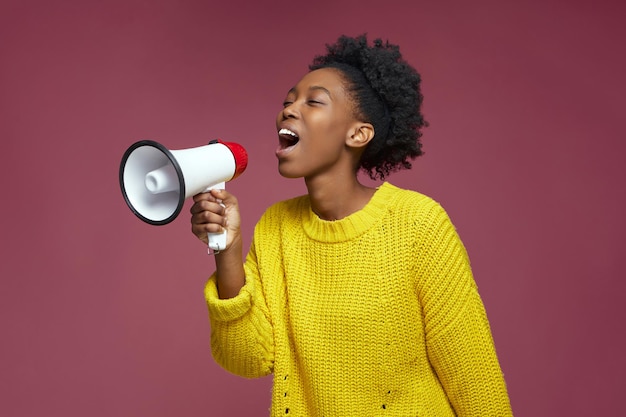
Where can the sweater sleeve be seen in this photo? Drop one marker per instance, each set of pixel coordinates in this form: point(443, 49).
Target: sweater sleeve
point(241, 331)
point(458, 337)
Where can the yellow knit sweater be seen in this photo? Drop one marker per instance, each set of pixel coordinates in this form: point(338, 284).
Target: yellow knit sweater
point(376, 314)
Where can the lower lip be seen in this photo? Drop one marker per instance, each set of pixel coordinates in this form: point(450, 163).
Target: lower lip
point(282, 152)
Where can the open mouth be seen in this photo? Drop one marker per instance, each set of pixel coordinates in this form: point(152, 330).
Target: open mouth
point(287, 138)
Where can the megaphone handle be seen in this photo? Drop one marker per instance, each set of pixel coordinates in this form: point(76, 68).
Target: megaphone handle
point(217, 241)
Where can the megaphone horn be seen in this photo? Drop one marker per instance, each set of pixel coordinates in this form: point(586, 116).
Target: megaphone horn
point(156, 181)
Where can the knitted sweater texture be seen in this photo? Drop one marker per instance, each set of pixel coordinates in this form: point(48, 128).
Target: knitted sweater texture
point(376, 314)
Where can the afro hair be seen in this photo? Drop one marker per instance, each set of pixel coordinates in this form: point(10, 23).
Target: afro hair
point(386, 92)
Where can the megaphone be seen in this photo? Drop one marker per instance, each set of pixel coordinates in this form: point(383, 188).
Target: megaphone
point(155, 181)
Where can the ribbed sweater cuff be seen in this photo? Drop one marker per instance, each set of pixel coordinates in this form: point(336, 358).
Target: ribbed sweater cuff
point(227, 309)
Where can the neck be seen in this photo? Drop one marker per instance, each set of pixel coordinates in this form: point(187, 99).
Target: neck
point(336, 198)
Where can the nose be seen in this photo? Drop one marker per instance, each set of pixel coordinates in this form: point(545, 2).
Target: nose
point(289, 111)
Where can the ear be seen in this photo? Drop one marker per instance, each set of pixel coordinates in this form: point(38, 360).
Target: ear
point(361, 135)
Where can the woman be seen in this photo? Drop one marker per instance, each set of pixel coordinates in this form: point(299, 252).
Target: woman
point(359, 300)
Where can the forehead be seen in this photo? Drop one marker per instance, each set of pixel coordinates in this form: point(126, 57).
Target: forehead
point(330, 79)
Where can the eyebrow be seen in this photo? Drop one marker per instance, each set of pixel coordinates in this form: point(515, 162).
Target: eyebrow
point(312, 88)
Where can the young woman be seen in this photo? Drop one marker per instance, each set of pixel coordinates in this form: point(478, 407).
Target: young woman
point(359, 300)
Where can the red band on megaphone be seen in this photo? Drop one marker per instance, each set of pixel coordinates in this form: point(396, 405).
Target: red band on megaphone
point(240, 155)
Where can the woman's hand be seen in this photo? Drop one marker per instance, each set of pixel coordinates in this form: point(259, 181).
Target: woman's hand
point(214, 212)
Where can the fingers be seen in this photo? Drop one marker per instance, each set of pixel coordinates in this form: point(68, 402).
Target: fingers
point(220, 196)
point(212, 212)
point(208, 214)
point(214, 207)
point(208, 196)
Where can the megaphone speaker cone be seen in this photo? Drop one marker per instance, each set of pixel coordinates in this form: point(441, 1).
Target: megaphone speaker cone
point(152, 182)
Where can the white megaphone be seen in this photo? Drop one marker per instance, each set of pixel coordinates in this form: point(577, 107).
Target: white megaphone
point(156, 181)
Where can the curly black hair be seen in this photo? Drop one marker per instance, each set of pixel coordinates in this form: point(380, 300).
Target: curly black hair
point(386, 91)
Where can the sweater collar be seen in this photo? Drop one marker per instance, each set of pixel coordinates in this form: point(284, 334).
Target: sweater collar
point(351, 226)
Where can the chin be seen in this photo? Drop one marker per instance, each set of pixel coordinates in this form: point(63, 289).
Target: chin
point(287, 173)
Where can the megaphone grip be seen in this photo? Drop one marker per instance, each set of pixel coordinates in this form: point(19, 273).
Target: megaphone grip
point(217, 241)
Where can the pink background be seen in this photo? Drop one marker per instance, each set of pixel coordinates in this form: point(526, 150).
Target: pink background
point(103, 315)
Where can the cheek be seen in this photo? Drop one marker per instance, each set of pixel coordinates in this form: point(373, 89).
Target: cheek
point(334, 133)
point(328, 126)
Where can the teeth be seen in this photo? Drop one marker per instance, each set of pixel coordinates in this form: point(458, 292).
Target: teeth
point(287, 132)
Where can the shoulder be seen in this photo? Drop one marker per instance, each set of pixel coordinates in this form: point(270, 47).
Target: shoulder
point(412, 204)
point(421, 217)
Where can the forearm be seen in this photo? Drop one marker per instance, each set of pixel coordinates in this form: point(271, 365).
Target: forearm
point(465, 359)
point(229, 270)
point(241, 334)
point(241, 331)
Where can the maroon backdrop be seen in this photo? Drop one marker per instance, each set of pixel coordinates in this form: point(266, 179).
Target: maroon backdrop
point(103, 315)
